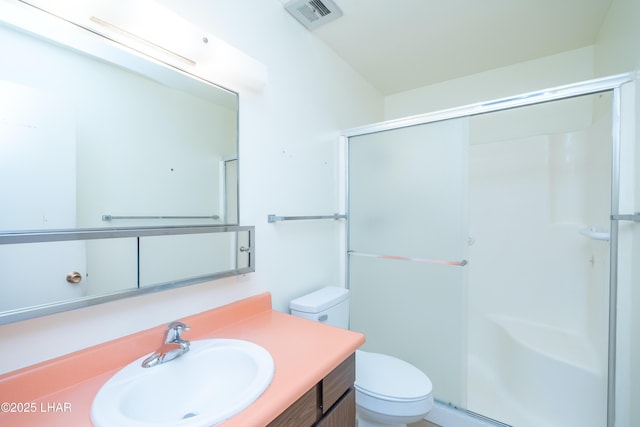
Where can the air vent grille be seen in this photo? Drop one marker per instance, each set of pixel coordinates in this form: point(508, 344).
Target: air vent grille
point(313, 13)
point(319, 7)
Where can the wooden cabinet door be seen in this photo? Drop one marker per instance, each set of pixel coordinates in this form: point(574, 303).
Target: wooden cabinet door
point(342, 414)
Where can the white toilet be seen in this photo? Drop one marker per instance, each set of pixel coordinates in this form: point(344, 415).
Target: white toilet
point(389, 391)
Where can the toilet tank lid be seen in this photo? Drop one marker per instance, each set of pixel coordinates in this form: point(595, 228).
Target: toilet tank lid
point(319, 300)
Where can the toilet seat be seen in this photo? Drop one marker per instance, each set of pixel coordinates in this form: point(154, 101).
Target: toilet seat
point(390, 391)
point(387, 378)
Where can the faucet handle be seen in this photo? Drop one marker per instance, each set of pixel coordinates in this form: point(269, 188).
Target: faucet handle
point(174, 331)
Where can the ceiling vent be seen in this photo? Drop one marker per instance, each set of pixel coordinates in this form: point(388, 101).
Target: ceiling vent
point(313, 13)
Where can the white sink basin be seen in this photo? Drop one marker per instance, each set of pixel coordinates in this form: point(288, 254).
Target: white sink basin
point(215, 380)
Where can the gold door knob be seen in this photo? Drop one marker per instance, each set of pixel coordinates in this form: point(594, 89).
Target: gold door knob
point(74, 277)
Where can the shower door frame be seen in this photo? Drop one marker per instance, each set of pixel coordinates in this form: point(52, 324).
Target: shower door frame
point(611, 83)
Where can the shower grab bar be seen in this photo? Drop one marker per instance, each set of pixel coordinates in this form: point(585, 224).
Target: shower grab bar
point(596, 234)
point(275, 218)
point(108, 217)
point(633, 217)
point(461, 263)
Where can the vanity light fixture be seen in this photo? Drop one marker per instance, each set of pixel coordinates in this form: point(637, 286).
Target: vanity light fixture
point(155, 31)
point(138, 41)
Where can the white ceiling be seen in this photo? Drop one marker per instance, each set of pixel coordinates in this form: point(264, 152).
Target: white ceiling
point(399, 45)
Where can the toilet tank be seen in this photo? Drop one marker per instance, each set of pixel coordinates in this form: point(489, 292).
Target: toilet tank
point(328, 305)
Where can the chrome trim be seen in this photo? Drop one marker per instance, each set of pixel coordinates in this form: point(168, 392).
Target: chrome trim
point(109, 217)
point(173, 346)
point(35, 236)
point(276, 218)
point(632, 217)
point(613, 258)
point(460, 263)
point(53, 308)
point(343, 142)
point(546, 95)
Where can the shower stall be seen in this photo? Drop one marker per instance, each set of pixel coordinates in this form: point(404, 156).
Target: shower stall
point(483, 247)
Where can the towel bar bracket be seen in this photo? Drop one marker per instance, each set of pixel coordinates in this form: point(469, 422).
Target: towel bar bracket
point(633, 217)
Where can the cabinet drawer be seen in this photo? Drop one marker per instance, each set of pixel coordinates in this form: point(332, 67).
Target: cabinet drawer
point(342, 414)
point(338, 382)
point(303, 413)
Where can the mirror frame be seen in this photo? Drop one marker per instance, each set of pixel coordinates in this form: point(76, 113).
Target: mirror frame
point(40, 236)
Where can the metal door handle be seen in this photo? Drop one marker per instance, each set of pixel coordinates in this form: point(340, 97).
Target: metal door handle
point(74, 277)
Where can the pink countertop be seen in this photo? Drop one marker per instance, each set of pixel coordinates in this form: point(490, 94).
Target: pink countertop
point(59, 392)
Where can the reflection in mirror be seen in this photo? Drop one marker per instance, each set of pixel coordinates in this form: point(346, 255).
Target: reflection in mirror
point(118, 144)
point(132, 148)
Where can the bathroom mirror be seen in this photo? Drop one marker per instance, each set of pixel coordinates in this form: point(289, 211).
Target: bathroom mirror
point(94, 144)
point(116, 169)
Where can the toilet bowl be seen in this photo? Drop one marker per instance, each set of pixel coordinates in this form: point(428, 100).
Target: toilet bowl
point(389, 392)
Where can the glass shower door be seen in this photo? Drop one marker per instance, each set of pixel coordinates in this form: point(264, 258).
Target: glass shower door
point(520, 333)
point(408, 245)
point(539, 206)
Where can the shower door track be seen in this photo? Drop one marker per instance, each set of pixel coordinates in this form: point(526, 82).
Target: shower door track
point(531, 98)
point(588, 87)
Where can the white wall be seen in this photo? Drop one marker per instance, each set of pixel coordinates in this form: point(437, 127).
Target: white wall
point(288, 166)
point(564, 68)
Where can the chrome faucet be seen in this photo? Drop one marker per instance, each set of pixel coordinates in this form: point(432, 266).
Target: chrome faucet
point(172, 346)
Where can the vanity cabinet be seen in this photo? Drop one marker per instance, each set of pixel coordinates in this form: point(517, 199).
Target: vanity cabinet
point(329, 403)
